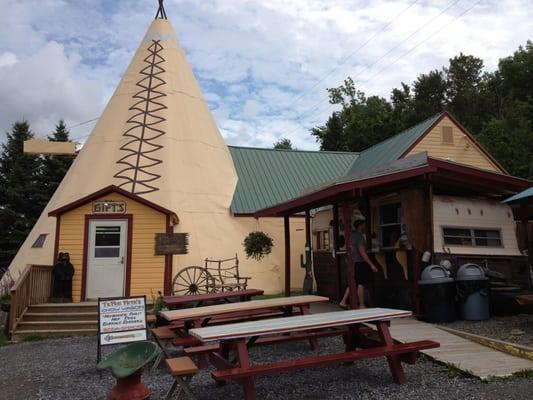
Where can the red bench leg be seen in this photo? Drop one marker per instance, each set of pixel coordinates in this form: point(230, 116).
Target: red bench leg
point(395, 364)
point(244, 362)
point(304, 310)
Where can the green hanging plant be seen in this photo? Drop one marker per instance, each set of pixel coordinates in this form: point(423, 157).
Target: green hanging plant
point(257, 245)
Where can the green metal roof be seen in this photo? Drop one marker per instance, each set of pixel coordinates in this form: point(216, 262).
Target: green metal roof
point(270, 176)
point(391, 149)
point(521, 197)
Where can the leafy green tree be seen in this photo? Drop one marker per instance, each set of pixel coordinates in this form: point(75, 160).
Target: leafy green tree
point(496, 107)
point(20, 196)
point(429, 91)
point(464, 79)
point(331, 135)
point(283, 144)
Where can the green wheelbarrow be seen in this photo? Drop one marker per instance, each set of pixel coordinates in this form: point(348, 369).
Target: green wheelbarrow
point(126, 366)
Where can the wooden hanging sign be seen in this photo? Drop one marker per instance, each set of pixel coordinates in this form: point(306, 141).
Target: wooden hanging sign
point(171, 243)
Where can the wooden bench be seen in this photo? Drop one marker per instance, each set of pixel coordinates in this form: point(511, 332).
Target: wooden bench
point(315, 361)
point(162, 336)
point(182, 370)
point(211, 348)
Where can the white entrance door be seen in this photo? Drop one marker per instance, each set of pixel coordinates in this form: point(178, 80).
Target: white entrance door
point(106, 258)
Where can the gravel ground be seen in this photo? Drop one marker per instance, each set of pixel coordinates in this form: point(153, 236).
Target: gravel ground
point(64, 369)
point(515, 329)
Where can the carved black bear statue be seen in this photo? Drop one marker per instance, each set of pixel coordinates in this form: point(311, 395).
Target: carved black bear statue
point(63, 272)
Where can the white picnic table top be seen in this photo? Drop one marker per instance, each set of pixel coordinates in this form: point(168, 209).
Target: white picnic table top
point(296, 323)
point(218, 309)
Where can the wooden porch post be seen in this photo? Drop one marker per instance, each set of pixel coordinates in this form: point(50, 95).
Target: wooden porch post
point(350, 270)
point(340, 289)
point(286, 224)
point(308, 280)
point(524, 219)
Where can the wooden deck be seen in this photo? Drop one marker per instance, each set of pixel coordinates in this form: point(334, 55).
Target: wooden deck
point(473, 358)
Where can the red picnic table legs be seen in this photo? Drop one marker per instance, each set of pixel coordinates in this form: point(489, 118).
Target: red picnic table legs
point(243, 360)
point(395, 364)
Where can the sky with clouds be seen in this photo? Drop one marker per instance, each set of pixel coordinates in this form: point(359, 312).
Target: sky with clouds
point(264, 66)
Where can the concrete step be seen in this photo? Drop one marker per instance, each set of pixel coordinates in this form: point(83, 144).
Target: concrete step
point(59, 316)
point(21, 334)
point(55, 325)
point(63, 308)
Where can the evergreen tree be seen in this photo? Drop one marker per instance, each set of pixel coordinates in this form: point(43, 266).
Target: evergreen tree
point(20, 205)
point(54, 168)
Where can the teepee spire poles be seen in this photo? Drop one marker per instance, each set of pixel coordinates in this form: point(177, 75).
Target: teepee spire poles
point(161, 13)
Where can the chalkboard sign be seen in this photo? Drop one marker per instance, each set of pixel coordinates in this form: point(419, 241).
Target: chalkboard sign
point(171, 243)
point(121, 320)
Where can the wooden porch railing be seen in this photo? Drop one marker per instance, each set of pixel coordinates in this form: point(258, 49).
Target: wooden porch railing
point(34, 286)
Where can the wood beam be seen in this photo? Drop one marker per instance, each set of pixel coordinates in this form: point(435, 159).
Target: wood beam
point(336, 249)
point(350, 270)
point(286, 224)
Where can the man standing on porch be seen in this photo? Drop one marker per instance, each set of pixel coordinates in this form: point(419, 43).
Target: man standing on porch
point(364, 267)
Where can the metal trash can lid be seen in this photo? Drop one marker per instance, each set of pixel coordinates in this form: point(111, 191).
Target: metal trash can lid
point(470, 272)
point(434, 274)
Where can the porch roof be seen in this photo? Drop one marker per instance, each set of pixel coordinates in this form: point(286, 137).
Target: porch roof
point(448, 173)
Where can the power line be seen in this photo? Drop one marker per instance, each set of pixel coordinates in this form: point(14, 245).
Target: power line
point(414, 47)
point(423, 41)
point(350, 55)
point(317, 105)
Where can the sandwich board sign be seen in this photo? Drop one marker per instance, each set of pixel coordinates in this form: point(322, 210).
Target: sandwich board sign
point(121, 320)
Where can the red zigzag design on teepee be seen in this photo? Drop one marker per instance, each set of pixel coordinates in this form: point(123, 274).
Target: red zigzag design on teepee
point(140, 149)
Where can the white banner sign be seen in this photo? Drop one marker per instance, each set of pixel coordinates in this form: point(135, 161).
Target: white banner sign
point(121, 320)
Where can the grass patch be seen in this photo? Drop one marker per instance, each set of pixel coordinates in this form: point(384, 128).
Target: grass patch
point(3, 339)
point(34, 337)
point(452, 371)
point(525, 373)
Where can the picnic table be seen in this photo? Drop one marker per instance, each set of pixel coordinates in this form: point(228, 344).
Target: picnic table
point(196, 300)
point(200, 316)
point(239, 336)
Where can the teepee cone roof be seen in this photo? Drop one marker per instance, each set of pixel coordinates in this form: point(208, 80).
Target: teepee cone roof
point(156, 138)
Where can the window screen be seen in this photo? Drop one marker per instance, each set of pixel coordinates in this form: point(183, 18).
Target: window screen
point(39, 242)
point(472, 237)
point(391, 225)
point(107, 241)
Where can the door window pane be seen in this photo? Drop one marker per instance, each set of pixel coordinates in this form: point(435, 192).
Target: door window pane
point(106, 252)
point(107, 236)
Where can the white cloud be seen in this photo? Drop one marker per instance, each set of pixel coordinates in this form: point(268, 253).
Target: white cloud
point(8, 59)
point(264, 65)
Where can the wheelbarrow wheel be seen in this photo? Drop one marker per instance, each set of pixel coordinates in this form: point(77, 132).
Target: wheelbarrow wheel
point(192, 280)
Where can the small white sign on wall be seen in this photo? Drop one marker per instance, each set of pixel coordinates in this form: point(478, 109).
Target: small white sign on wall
point(121, 320)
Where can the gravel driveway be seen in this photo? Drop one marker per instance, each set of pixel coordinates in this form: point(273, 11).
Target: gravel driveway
point(64, 369)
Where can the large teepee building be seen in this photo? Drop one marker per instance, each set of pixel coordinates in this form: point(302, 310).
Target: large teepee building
point(154, 163)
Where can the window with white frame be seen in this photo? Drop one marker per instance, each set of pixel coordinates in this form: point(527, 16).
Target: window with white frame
point(479, 237)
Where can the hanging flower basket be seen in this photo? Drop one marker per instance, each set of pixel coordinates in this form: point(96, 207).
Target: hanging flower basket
point(257, 245)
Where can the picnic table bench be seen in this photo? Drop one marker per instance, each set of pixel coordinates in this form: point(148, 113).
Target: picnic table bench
point(196, 300)
point(237, 338)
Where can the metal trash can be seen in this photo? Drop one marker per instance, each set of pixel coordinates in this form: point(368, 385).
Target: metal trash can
point(437, 294)
point(473, 292)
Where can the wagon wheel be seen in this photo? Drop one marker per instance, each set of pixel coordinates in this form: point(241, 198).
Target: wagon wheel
point(192, 280)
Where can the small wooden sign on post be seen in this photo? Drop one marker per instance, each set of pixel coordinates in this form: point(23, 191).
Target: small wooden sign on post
point(121, 320)
point(171, 243)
